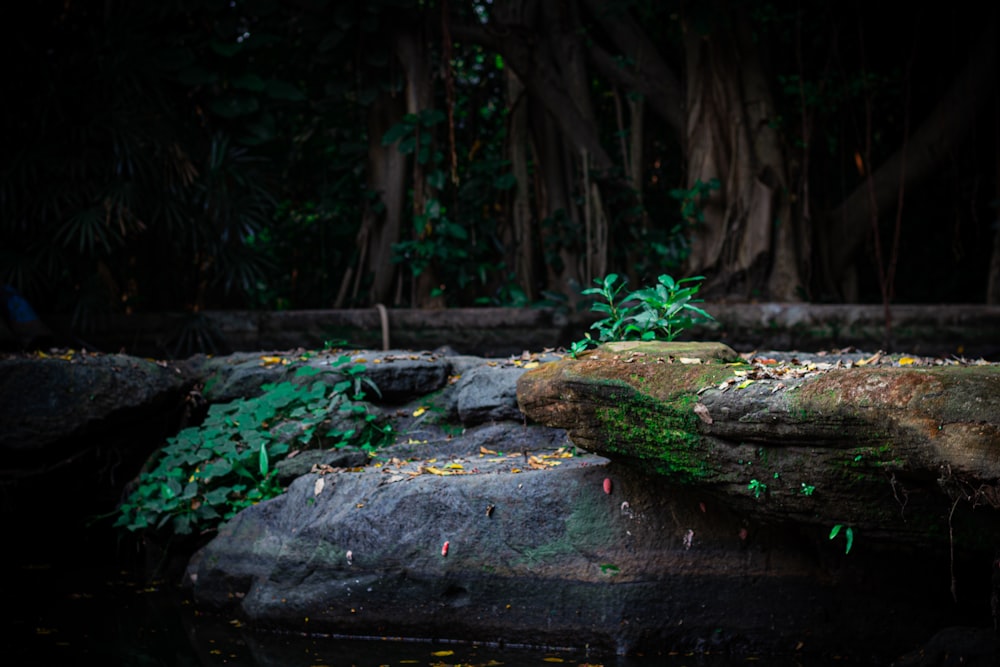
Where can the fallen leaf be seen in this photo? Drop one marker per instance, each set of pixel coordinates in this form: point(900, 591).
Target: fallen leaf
point(441, 654)
point(607, 485)
point(444, 552)
point(531, 364)
point(906, 361)
point(702, 412)
point(689, 360)
point(419, 411)
point(318, 486)
point(483, 450)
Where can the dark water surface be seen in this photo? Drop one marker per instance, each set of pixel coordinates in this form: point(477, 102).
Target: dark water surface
point(68, 611)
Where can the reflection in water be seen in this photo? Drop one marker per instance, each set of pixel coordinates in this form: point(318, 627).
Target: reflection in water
point(69, 616)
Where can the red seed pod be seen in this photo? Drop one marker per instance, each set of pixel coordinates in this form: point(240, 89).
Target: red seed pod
point(607, 485)
point(444, 549)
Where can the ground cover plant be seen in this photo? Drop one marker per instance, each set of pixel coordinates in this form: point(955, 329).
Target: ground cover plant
point(207, 473)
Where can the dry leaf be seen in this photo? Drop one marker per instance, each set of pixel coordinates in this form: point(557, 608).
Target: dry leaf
point(702, 412)
point(318, 486)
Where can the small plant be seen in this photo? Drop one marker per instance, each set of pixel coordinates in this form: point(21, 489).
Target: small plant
point(757, 487)
point(808, 489)
point(660, 312)
point(848, 536)
point(206, 474)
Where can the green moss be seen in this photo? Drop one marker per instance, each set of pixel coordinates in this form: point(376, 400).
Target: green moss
point(663, 433)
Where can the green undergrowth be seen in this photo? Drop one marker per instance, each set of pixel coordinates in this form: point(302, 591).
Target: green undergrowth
point(206, 474)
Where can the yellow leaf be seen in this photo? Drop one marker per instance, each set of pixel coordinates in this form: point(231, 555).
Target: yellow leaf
point(515, 470)
point(419, 411)
point(483, 450)
point(550, 659)
point(906, 361)
point(437, 471)
point(531, 364)
point(744, 384)
point(441, 654)
point(272, 361)
point(360, 360)
point(455, 466)
point(376, 361)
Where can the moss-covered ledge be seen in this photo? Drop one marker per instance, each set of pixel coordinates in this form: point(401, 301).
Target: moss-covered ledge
point(891, 450)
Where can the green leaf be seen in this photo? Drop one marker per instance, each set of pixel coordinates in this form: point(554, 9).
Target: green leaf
point(849, 534)
point(226, 49)
point(197, 76)
point(283, 90)
point(263, 460)
point(250, 82)
point(835, 531)
point(396, 132)
point(234, 105)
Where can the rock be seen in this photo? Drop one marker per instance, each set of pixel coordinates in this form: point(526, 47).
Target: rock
point(402, 376)
point(972, 647)
point(488, 393)
point(45, 401)
point(234, 376)
point(303, 462)
point(887, 449)
point(545, 556)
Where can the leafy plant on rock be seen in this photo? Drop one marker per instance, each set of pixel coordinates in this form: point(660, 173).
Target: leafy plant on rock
point(658, 312)
point(206, 474)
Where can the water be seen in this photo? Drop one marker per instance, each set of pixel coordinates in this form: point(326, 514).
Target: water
point(73, 596)
point(70, 611)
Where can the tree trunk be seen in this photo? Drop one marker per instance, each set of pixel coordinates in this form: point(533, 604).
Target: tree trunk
point(749, 244)
point(520, 251)
point(557, 209)
point(411, 49)
point(381, 225)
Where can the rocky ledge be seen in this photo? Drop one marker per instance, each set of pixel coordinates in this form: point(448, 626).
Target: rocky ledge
point(648, 498)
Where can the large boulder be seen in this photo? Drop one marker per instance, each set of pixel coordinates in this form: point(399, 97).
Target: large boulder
point(54, 399)
point(505, 534)
point(890, 449)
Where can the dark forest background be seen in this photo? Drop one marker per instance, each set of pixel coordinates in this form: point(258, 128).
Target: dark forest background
point(267, 154)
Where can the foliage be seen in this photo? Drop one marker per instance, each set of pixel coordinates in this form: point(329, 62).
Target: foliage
point(206, 474)
point(659, 312)
point(757, 488)
point(848, 535)
point(181, 156)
